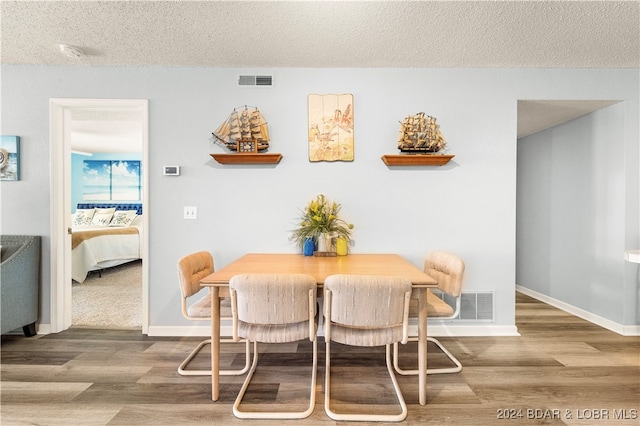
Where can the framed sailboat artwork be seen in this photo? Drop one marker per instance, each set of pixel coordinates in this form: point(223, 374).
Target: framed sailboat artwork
point(331, 127)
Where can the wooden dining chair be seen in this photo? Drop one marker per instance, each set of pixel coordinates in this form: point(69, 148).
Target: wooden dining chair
point(191, 269)
point(448, 270)
point(274, 308)
point(362, 310)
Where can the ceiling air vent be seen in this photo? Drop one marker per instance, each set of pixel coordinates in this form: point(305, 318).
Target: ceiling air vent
point(255, 80)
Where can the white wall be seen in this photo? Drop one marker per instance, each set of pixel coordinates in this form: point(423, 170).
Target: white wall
point(573, 206)
point(468, 206)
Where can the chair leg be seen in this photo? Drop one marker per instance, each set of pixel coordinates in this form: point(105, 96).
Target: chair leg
point(247, 360)
point(363, 417)
point(456, 369)
point(447, 370)
point(276, 414)
point(182, 369)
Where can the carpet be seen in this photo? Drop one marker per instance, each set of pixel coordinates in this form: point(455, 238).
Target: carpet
point(113, 300)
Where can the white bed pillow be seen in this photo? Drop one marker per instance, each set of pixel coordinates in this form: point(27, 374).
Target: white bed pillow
point(83, 217)
point(102, 217)
point(123, 218)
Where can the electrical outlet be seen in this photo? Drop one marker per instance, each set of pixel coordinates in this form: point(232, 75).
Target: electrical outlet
point(190, 212)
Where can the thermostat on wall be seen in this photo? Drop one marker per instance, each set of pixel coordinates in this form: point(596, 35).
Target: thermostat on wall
point(171, 170)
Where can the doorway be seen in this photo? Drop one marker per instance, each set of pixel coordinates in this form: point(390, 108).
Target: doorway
point(65, 115)
point(569, 212)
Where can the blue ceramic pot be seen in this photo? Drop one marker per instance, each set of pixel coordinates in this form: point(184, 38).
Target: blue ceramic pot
point(308, 247)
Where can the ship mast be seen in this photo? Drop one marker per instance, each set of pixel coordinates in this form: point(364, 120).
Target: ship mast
point(243, 124)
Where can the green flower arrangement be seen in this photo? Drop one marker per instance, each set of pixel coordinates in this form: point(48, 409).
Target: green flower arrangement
point(321, 217)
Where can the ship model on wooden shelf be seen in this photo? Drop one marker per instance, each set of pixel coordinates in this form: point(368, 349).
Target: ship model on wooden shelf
point(244, 131)
point(420, 133)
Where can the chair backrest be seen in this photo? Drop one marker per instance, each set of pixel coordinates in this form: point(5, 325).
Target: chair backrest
point(447, 269)
point(191, 269)
point(273, 299)
point(367, 302)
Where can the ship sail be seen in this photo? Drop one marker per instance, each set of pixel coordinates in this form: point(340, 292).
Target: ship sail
point(420, 133)
point(244, 123)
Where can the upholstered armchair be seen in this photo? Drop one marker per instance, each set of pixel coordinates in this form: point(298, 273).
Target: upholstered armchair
point(19, 282)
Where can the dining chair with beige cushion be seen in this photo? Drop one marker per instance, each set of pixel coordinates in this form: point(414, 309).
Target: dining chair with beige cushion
point(448, 270)
point(365, 310)
point(274, 308)
point(191, 269)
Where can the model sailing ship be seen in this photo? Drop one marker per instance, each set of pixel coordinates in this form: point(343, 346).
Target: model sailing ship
point(245, 130)
point(420, 133)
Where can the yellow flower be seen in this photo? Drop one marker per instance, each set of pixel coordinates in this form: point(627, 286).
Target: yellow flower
point(321, 216)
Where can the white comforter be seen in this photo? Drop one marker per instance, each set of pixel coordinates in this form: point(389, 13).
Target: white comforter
point(103, 251)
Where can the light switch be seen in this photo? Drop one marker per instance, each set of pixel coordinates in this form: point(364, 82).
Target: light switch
point(190, 212)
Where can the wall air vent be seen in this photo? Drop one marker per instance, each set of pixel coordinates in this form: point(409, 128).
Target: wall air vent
point(477, 306)
point(255, 80)
point(474, 306)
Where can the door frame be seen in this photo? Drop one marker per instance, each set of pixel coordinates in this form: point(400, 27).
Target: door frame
point(60, 110)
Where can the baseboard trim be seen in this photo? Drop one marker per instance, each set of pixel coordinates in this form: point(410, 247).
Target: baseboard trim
point(434, 330)
point(443, 330)
point(40, 329)
point(186, 331)
point(43, 328)
point(624, 330)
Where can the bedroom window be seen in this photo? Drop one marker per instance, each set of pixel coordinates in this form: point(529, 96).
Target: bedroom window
point(111, 180)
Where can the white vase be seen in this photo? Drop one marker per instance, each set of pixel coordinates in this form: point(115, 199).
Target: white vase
point(324, 242)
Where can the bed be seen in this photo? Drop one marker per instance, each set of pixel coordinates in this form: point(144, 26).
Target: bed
point(104, 235)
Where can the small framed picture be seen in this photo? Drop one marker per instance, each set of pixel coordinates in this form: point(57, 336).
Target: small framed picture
point(247, 146)
point(9, 158)
point(331, 127)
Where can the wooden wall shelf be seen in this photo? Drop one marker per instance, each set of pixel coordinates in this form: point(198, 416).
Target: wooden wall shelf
point(416, 159)
point(266, 158)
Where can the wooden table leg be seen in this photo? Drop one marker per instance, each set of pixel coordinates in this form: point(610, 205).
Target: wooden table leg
point(215, 343)
point(422, 345)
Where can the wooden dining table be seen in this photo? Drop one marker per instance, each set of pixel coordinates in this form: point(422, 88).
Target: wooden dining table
point(319, 268)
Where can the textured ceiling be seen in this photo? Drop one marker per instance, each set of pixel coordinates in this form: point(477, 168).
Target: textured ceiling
point(318, 34)
point(325, 33)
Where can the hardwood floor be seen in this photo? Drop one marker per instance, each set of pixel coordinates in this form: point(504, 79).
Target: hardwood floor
point(562, 370)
